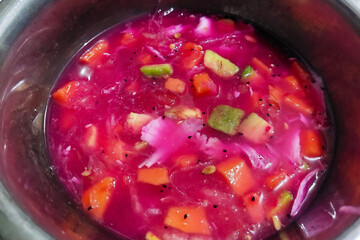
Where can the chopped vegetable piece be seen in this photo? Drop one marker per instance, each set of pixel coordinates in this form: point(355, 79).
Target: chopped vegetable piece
point(283, 203)
point(151, 236)
point(221, 66)
point(250, 76)
point(145, 58)
point(136, 121)
point(238, 174)
point(254, 206)
point(311, 143)
point(255, 101)
point(248, 71)
point(100, 47)
point(127, 39)
point(154, 176)
point(114, 151)
point(194, 222)
point(226, 119)
point(186, 160)
point(191, 55)
point(274, 181)
point(97, 197)
point(208, 170)
point(293, 83)
point(64, 94)
point(260, 66)
point(182, 112)
point(175, 85)
point(300, 73)
point(91, 136)
point(276, 96)
point(204, 85)
point(157, 70)
point(276, 222)
point(299, 104)
point(255, 129)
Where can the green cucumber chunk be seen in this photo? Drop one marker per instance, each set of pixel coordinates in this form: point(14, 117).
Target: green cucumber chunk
point(226, 119)
point(248, 72)
point(219, 65)
point(157, 70)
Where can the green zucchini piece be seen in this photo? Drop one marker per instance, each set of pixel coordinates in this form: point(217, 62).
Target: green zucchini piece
point(157, 70)
point(226, 119)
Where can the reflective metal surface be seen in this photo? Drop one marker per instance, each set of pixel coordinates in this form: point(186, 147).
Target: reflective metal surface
point(38, 37)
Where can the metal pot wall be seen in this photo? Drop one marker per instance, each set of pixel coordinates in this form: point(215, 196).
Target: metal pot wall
point(37, 38)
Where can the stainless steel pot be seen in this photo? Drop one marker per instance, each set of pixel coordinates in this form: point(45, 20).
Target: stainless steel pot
point(37, 38)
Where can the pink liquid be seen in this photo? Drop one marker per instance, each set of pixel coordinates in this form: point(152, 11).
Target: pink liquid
point(90, 138)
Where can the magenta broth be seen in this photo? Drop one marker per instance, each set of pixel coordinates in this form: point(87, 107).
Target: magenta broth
point(188, 126)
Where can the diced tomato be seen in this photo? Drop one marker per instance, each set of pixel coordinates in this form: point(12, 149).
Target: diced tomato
point(293, 82)
point(191, 55)
point(260, 66)
point(136, 121)
point(96, 199)
point(300, 73)
point(294, 85)
point(64, 94)
point(91, 136)
point(255, 102)
point(238, 174)
point(204, 85)
point(311, 143)
point(254, 206)
point(127, 39)
point(100, 47)
point(145, 58)
point(225, 25)
point(76, 94)
point(154, 176)
point(186, 160)
point(255, 80)
point(276, 96)
point(114, 151)
point(274, 181)
point(188, 219)
point(175, 85)
point(299, 104)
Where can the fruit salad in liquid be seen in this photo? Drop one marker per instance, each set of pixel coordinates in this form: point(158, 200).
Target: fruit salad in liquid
point(188, 126)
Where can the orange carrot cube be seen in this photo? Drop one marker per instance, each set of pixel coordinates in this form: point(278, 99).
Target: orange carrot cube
point(100, 47)
point(175, 85)
point(154, 176)
point(238, 174)
point(188, 219)
point(204, 85)
point(311, 143)
point(96, 199)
